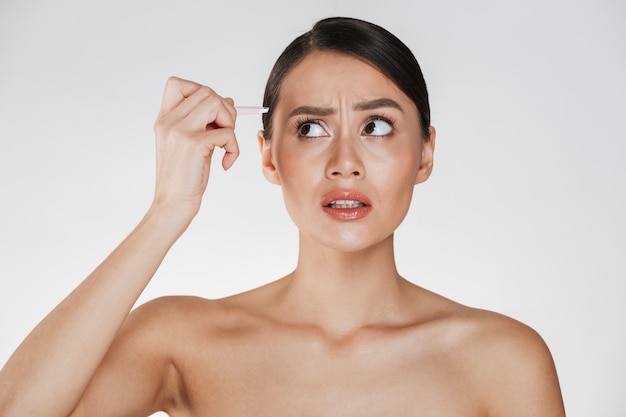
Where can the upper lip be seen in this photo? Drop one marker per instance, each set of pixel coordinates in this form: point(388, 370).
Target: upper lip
point(345, 195)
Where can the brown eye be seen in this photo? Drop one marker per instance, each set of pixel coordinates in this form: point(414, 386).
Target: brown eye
point(378, 127)
point(305, 129)
point(370, 128)
point(311, 129)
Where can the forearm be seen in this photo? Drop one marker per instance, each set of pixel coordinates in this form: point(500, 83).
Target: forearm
point(50, 370)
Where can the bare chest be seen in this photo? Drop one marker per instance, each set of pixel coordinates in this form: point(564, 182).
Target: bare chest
point(303, 378)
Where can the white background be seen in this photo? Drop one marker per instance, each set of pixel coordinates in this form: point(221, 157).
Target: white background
point(524, 213)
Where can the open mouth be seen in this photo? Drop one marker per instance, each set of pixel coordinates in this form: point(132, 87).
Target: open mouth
point(345, 204)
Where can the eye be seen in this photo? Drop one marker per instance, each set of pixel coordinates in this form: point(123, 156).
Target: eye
point(311, 129)
point(378, 127)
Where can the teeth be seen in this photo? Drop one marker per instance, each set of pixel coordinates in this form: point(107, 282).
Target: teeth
point(343, 204)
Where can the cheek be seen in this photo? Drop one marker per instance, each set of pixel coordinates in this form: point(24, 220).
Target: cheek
point(397, 166)
point(296, 173)
point(287, 165)
point(397, 183)
point(298, 163)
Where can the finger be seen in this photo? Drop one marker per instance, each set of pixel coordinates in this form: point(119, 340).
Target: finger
point(176, 91)
point(223, 138)
point(231, 148)
point(231, 153)
point(182, 97)
point(202, 111)
point(202, 95)
point(214, 112)
point(231, 107)
point(202, 108)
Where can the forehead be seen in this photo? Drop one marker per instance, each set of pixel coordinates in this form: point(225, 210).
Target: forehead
point(325, 77)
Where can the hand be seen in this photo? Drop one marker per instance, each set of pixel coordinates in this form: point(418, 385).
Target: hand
point(192, 121)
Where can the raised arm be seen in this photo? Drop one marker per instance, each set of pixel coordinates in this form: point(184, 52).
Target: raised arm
point(48, 374)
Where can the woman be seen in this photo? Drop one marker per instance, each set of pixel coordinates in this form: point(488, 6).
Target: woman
point(347, 137)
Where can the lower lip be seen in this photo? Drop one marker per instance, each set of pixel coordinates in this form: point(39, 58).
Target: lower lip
point(355, 213)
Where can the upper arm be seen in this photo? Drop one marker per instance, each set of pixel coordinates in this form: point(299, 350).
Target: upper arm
point(519, 375)
point(137, 376)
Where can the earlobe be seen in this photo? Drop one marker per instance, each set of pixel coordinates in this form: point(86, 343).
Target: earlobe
point(267, 163)
point(426, 164)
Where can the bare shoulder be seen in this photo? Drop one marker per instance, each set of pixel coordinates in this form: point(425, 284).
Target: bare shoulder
point(160, 319)
point(199, 321)
point(144, 367)
point(138, 368)
point(169, 308)
point(499, 334)
point(506, 360)
point(169, 317)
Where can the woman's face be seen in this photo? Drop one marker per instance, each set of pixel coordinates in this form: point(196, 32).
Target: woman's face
point(347, 150)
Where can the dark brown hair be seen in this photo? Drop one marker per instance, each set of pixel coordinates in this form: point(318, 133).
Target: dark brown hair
point(363, 40)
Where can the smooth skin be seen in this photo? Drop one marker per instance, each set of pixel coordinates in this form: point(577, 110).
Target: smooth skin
point(342, 335)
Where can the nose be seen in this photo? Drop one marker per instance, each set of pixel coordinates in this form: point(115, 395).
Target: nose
point(345, 160)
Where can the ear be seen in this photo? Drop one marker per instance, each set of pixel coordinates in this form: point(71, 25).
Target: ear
point(267, 163)
point(426, 164)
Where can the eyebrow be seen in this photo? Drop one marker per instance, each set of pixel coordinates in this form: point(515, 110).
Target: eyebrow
point(377, 104)
point(362, 105)
point(311, 110)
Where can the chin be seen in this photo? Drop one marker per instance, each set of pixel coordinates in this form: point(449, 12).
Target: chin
point(351, 243)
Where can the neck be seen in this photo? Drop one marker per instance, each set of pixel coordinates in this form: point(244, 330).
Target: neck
point(343, 291)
